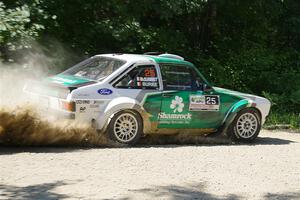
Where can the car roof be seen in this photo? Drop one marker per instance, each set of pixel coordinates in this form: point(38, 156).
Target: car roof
point(141, 57)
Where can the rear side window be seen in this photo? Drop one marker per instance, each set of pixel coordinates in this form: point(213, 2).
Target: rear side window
point(177, 77)
point(141, 77)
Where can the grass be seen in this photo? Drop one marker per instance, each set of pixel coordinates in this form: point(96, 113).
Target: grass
point(282, 119)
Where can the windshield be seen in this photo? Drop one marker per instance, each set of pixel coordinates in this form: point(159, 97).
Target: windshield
point(96, 69)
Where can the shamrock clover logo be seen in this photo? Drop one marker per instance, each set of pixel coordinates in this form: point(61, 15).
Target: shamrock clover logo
point(177, 104)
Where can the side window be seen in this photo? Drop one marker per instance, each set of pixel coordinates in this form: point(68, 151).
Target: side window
point(176, 77)
point(141, 77)
point(180, 77)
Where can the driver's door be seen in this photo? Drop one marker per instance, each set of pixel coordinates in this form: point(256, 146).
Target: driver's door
point(184, 103)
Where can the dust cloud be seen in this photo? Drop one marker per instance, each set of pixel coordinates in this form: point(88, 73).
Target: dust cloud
point(21, 123)
point(23, 127)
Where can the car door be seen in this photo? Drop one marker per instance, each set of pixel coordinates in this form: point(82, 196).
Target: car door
point(141, 83)
point(184, 103)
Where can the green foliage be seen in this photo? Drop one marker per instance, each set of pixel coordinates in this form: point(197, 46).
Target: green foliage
point(16, 28)
point(247, 45)
point(291, 119)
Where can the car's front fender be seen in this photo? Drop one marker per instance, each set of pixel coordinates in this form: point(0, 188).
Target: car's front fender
point(233, 111)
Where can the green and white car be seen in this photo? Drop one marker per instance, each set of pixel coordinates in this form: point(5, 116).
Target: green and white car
point(127, 96)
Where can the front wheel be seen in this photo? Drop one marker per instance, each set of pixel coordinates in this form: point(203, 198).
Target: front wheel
point(125, 127)
point(246, 125)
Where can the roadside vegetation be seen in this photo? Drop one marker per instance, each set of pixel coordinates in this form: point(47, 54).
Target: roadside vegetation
point(250, 46)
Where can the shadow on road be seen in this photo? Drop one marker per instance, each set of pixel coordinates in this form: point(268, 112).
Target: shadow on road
point(271, 141)
point(197, 192)
point(282, 196)
point(148, 142)
point(178, 141)
point(38, 191)
point(178, 192)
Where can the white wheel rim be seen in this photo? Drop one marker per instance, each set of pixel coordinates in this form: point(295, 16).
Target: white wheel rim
point(125, 127)
point(247, 125)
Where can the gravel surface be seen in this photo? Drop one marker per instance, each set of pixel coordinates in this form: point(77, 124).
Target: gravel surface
point(267, 169)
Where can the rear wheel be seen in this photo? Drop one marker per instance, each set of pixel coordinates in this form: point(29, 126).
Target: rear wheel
point(125, 127)
point(246, 125)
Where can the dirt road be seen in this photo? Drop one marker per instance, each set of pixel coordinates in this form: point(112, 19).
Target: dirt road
point(268, 169)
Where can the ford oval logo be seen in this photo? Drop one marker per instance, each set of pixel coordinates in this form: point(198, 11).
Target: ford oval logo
point(105, 91)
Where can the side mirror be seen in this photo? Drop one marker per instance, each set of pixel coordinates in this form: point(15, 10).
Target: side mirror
point(207, 88)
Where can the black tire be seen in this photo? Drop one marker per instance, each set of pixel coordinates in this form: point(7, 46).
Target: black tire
point(116, 132)
point(245, 131)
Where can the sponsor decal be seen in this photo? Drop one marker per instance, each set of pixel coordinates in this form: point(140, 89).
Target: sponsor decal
point(147, 84)
point(147, 81)
point(204, 103)
point(83, 102)
point(148, 78)
point(176, 117)
point(82, 109)
point(177, 104)
point(105, 91)
point(166, 118)
point(92, 103)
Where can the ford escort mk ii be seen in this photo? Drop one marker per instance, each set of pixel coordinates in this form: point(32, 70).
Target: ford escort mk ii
point(127, 96)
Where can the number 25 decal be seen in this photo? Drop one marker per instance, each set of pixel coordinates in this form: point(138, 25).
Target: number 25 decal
point(211, 100)
point(150, 73)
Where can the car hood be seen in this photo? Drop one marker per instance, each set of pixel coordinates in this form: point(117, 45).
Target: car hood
point(261, 103)
point(237, 94)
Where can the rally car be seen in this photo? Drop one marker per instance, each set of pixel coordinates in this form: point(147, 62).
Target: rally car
point(127, 96)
